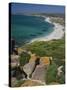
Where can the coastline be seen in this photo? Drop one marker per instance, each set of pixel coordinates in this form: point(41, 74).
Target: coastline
point(57, 33)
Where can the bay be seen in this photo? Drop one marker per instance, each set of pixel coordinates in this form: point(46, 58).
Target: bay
point(25, 28)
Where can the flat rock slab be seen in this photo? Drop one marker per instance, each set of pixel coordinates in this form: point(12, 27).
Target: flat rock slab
point(29, 67)
point(39, 73)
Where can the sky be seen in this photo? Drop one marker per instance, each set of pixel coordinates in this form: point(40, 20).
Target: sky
point(35, 8)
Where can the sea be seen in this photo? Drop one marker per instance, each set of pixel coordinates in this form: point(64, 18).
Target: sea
point(24, 28)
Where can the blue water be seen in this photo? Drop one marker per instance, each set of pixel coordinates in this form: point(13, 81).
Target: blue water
point(24, 28)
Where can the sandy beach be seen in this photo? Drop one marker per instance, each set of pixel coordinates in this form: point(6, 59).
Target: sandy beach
point(57, 33)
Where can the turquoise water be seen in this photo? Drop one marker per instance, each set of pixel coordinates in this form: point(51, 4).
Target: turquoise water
point(25, 28)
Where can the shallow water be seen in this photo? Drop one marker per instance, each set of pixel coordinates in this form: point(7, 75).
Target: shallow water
point(25, 28)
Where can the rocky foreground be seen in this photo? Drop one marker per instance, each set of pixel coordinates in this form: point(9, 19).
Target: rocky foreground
point(34, 70)
point(31, 73)
point(38, 63)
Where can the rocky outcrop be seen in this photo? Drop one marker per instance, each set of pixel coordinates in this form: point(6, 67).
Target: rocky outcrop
point(28, 68)
point(14, 60)
point(39, 73)
point(59, 70)
point(18, 73)
point(45, 61)
point(34, 70)
point(16, 70)
point(33, 58)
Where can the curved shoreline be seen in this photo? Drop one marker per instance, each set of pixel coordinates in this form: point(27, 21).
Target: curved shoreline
point(57, 33)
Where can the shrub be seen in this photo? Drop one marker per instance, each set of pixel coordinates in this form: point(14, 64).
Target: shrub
point(51, 73)
point(54, 48)
point(24, 58)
